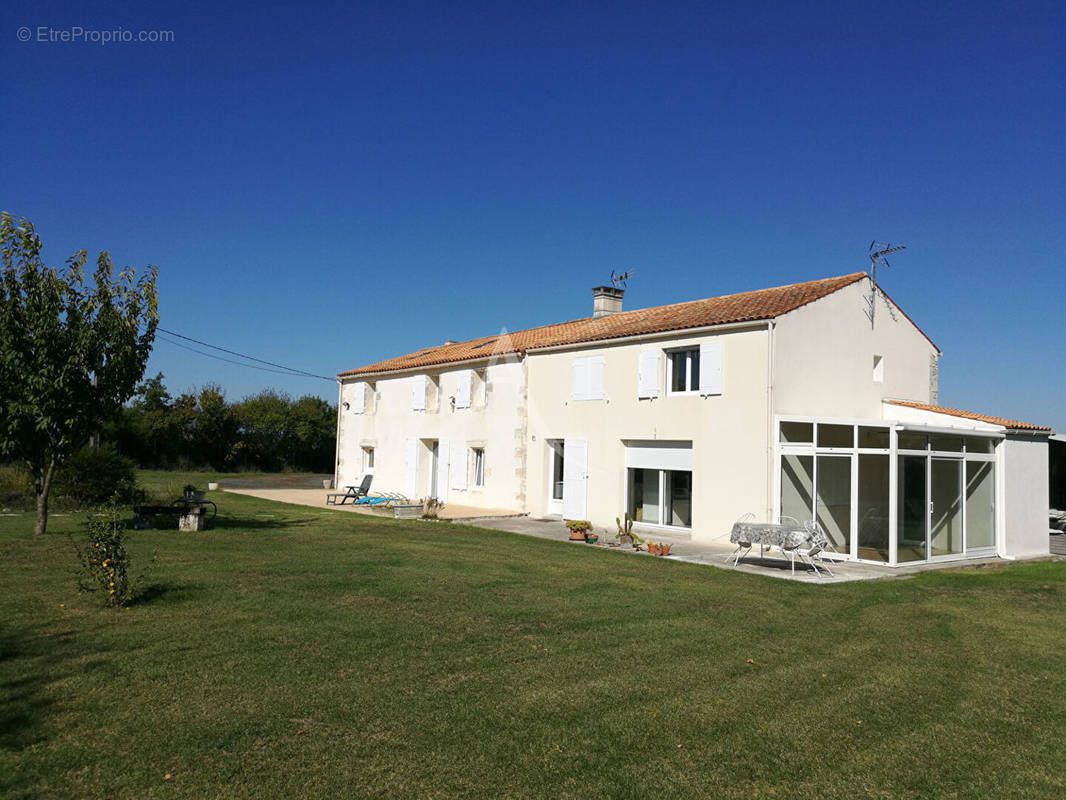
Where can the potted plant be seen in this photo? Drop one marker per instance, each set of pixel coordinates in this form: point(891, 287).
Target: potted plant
point(591, 537)
point(626, 535)
point(658, 548)
point(577, 528)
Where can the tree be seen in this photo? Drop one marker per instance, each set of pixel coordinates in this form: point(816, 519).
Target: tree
point(70, 354)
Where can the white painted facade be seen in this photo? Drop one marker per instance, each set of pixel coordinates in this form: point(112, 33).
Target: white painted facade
point(596, 429)
point(459, 409)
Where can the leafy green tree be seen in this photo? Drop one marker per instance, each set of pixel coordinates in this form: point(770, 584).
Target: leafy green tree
point(313, 423)
point(215, 431)
point(264, 429)
point(70, 353)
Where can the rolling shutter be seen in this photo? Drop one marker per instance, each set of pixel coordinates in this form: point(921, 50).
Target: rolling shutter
point(359, 398)
point(648, 374)
point(711, 368)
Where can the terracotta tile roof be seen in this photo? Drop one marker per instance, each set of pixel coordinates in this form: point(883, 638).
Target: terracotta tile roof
point(743, 307)
point(1013, 424)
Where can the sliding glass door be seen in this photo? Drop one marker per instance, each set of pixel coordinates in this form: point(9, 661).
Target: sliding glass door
point(833, 493)
point(945, 507)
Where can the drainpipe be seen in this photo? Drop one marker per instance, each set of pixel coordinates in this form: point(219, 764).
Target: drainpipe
point(771, 434)
point(337, 448)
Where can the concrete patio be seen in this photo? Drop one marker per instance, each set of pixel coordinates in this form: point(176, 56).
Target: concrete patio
point(317, 499)
point(708, 554)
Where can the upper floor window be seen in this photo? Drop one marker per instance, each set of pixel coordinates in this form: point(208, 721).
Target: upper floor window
point(480, 388)
point(588, 378)
point(683, 370)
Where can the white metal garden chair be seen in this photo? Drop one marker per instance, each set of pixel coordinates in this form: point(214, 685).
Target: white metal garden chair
point(810, 552)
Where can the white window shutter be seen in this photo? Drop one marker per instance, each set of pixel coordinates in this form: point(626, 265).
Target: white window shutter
point(575, 478)
point(648, 374)
point(359, 398)
point(459, 468)
point(442, 470)
point(411, 477)
point(595, 391)
point(711, 368)
point(581, 378)
point(462, 390)
point(418, 393)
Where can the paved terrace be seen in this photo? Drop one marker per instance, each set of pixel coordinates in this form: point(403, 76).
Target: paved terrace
point(714, 554)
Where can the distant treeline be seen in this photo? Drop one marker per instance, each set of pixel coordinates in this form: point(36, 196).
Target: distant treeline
point(269, 431)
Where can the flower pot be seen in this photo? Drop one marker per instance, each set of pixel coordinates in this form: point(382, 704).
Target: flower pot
point(592, 538)
point(625, 539)
point(327, 483)
point(577, 536)
point(664, 549)
point(653, 548)
point(213, 487)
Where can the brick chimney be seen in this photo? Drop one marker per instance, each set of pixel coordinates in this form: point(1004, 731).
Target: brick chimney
point(606, 300)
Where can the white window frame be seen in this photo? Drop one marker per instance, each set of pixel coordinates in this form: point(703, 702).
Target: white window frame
point(661, 471)
point(694, 388)
point(477, 458)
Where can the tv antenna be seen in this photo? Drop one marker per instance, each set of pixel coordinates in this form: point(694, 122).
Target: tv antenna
point(620, 280)
point(879, 253)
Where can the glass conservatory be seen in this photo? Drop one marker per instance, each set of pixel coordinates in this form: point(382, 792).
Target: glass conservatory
point(890, 493)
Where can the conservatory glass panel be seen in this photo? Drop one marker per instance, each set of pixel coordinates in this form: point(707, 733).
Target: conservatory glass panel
point(911, 509)
point(980, 510)
point(834, 500)
point(873, 507)
point(797, 487)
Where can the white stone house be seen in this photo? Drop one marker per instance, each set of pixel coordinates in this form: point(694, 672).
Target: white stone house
point(814, 401)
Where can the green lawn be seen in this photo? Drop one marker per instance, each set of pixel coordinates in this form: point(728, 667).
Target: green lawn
point(296, 652)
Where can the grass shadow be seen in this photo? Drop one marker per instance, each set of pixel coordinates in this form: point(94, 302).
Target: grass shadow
point(167, 591)
point(228, 522)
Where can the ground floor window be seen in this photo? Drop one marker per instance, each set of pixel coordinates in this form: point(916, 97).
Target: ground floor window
point(479, 466)
point(368, 459)
point(661, 496)
point(557, 462)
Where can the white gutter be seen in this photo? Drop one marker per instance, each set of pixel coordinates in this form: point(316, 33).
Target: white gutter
point(916, 426)
point(644, 337)
point(517, 355)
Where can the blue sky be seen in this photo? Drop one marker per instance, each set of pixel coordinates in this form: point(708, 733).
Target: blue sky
point(327, 187)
